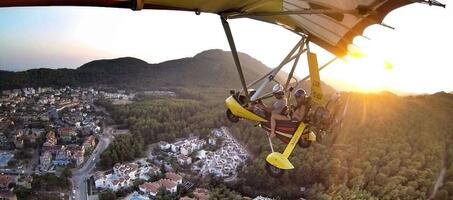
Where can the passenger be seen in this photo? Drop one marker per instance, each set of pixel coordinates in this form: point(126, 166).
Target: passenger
point(278, 108)
point(303, 105)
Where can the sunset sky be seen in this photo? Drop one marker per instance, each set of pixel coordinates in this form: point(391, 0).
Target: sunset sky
point(416, 57)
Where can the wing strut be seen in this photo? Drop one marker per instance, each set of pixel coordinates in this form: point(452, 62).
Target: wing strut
point(271, 75)
point(229, 35)
point(290, 75)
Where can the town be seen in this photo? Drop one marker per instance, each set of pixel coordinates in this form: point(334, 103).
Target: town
point(46, 130)
point(191, 160)
point(62, 132)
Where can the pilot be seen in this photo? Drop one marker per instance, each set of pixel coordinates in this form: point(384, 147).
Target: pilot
point(302, 108)
point(278, 108)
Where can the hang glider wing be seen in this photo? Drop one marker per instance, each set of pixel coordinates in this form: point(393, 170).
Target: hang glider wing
point(331, 24)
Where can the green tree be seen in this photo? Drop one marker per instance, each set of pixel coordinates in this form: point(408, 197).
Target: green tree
point(107, 195)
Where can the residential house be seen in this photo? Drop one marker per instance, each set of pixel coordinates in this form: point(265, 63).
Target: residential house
point(50, 139)
point(168, 184)
point(186, 149)
point(176, 178)
point(122, 177)
point(78, 157)
point(112, 181)
point(53, 149)
point(184, 160)
point(175, 147)
point(150, 189)
point(164, 146)
point(217, 133)
point(125, 169)
point(89, 143)
point(100, 179)
point(5, 181)
point(73, 149)
point(212, 141)
point(45, 159)
point(66, 133)
point(147, 172)
point(198, 144)
point(62, 158)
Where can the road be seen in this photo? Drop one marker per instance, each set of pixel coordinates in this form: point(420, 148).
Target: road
point(80, 175)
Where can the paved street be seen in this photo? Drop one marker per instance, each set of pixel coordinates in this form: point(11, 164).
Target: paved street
point(80, 175)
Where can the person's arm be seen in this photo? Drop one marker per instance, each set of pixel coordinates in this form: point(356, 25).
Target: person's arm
point(263, 106)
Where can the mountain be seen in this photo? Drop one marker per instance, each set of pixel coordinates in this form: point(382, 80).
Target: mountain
point(211, 68)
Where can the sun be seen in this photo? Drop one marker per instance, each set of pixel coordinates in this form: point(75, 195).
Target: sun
point(364, 72)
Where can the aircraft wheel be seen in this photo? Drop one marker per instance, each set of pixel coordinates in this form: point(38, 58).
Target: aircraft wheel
point(304, 143)
point(232, 117)
point(274, 171)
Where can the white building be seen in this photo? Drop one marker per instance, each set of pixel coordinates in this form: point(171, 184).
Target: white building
point(164, 146)
point(125, 169)
point(186, 149)
point(112, 181)
point(147, 172)
point(184, 160)
point(175, 147)
point(122, 177)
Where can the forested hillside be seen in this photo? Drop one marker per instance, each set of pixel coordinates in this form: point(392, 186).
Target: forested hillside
point(152, 120)
point(389, 147)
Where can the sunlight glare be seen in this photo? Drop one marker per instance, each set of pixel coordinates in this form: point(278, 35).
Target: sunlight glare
point(365, 70)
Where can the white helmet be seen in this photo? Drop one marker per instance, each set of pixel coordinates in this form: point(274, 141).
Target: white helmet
point(277, 88)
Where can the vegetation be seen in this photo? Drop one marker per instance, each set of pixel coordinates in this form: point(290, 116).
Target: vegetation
point(107, 195)
point(27, 194)
point(163, 194)
point(23, 154)
point(124, 148)
point(66, 173)
point(50, 182)
point(390, 147)
point(222, 192)
point(167, 119)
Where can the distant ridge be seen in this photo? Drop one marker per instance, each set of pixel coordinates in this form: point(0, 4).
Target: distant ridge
point(210, 68)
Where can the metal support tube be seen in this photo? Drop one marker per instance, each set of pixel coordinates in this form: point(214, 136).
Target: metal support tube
point(229, 35)
point(269, 73)
point(294, 12)
point(322, 67)
point(274, 72)
point(290, 75)
point(270, 143)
